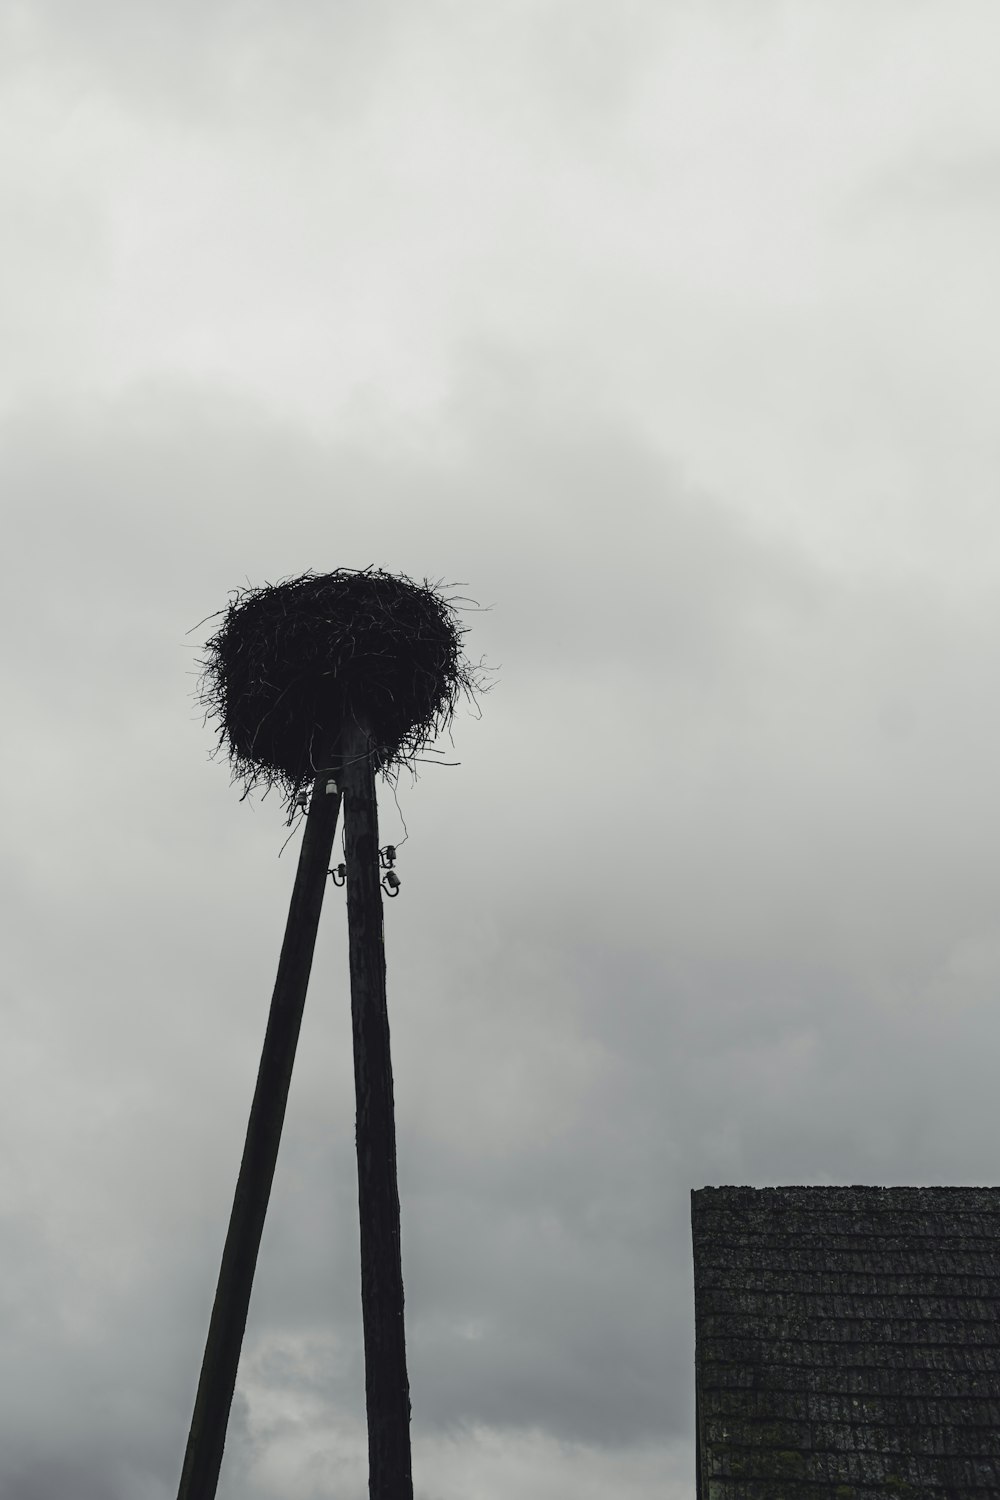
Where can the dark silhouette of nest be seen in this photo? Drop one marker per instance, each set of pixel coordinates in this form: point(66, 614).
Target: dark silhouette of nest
point(292, 660)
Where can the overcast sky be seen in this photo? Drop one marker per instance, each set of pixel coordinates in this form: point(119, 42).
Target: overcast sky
point(669, 330)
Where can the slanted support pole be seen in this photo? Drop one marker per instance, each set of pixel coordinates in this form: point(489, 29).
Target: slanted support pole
point(387, 1391)
point(203, 1458)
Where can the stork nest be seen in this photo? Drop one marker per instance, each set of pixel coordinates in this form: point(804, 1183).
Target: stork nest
point(293, 660)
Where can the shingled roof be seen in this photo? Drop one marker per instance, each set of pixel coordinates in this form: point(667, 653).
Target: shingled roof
point(848, 1343)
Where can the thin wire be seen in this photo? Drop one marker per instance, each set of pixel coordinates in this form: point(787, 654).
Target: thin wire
point(406, 831)
point(295, 829)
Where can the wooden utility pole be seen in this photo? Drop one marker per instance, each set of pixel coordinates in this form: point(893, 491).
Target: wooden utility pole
point(203, 1458)
point(291, 663)
point(387, 1391)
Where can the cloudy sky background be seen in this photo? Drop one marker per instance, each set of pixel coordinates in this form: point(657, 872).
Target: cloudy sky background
point(669, 330)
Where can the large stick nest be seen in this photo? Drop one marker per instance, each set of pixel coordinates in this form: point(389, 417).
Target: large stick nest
point(293, 660)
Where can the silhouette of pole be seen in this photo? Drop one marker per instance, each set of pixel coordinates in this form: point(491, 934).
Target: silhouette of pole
point(387, 1391)
point(372, 664)
point(207, 1437)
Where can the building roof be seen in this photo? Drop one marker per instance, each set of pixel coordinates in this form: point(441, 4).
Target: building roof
point(847, 1343)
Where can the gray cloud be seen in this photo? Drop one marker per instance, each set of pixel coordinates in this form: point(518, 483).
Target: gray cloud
point(659, 971)
point(711, 897)
point(535, 1250)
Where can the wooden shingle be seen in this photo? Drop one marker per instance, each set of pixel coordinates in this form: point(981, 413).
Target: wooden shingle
point(847, 1343)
